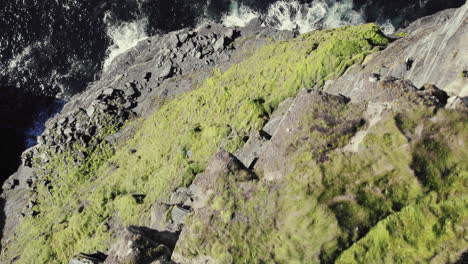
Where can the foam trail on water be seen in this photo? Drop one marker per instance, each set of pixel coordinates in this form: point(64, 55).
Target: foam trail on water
point(239, 16)
point(124, 36)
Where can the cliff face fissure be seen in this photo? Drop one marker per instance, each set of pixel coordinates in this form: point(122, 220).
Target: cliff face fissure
point(252, 145)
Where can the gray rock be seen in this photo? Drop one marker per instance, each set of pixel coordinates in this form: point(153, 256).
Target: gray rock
point(90, 111)
point(219, 45)
point(179, 196)
point(229, 34)
point(458, 103)
point(62, 121)
point(272, 125)
point(142, 245)
point(166, 71)
point(108, 92)
point(178, 215)
point(434, 47)
point(159, 216)
point(183, 37)
point(173, 42)
point(41, 140)
point(250, 153)
point(127, 105)
point(130, 92)
point(68, 131)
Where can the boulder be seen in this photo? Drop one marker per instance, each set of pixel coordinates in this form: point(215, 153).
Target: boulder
point(159, 216)
point(108, 92)
point(142, 245)
point(183, 37)
point(166, 70)
point(219, 44)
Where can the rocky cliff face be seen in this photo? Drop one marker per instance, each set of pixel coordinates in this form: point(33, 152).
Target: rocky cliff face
point(251, 145)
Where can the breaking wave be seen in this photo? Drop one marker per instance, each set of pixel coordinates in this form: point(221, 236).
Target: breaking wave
point(124, 36)
point(293, 15)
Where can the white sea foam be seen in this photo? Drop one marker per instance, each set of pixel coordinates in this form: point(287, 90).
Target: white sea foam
point(292, 15)
point(239, 15)
point(124, 36)
point(387, 28)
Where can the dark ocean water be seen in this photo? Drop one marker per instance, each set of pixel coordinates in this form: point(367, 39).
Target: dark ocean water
point(53, 48)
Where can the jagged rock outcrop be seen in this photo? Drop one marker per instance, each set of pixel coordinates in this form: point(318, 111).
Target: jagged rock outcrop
point(315, 176)
point(434, 51)
point(136, 84)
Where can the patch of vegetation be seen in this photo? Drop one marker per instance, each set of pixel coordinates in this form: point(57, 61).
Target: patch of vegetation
point(364, 207)
point(402, 34)
point(176, 142)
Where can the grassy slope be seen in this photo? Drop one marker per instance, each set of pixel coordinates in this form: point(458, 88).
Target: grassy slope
point(86, 200)
point(379, 205)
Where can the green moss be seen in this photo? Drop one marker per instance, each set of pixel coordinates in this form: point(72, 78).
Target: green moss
point(364, 207)
point(176, 142)
point(414, 235)
point(402, 34)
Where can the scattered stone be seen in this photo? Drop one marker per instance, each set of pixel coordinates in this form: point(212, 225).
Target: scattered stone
point(178, 216)
point(179, 197)
point(142, 245)
point(183, 37)
point(62, 121)
point(229, 34)
point(159, 217)
point(219, 45)
point(130, 92)
point(108, 92)
point(166, 71)
point(90, 111)
point(68, 131)
point(128, 105)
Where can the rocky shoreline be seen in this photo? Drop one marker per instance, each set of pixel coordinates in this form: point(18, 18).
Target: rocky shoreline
point(424, 71)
